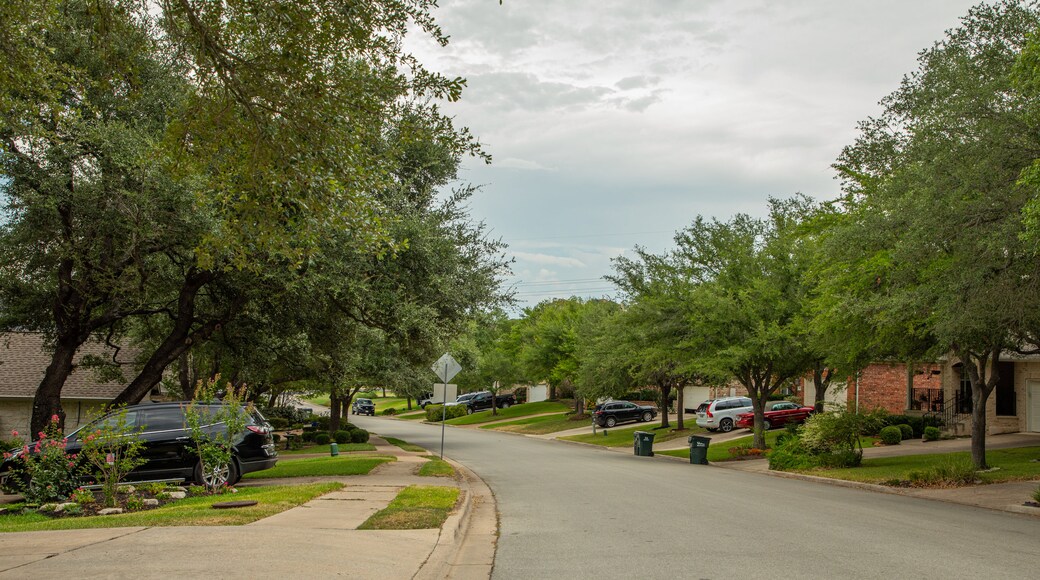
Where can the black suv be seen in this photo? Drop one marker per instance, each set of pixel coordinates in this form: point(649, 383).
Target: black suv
point(168, 448)
point(614, 412)
point(363, 407)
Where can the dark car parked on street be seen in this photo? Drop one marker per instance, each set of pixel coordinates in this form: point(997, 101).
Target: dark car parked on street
point(169, 451)
point(363, 407)
point(777, 414)
point(614, 412)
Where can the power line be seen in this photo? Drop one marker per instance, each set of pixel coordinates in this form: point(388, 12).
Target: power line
point(554, 282)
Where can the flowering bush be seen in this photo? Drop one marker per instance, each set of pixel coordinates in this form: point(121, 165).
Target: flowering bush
point(112, 448)
point(82, 496)
point(46, 472)
point(215, 446)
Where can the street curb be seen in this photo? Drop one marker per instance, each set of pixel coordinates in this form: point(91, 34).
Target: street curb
point(452, 557)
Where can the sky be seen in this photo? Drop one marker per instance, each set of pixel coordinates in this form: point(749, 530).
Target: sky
point(613, 124)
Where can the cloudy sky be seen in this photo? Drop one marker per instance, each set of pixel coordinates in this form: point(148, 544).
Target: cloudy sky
point(614, 123)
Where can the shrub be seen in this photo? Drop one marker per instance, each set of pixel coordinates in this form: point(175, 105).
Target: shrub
point(320, 422)
point(906, 430)
point(359, 436)
point(341, 437)
point(74, 510)
point(790, 455)
point(296, 443)
point(82, 496)
point(433, 412)
point(214, 448)
point(111, 449)
point(835, 431)
point(15, 442)
point(308, 436)
point(389, 411)
point(844, 458)
point(322, 438)
point(46, 473)
point(278, 423)
point(891, 435)
point(949, 473)
point(134, 503)
point(931, 433)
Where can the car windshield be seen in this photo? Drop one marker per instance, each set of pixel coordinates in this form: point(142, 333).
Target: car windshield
point(364, 402)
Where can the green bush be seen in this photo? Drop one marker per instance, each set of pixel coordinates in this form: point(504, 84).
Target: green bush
point(790, 455)
point(931, 433)
point(321, 422)
point(840, 459)
point(359, 436)
point(308, 436)
point(891, 435)
point(433, 412)
point(342, 436)
point(278, 423)
point(835, 431)
point(906, 430)
point(389, 411)
point(322, 438)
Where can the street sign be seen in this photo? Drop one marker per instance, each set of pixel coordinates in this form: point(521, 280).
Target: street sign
point(446, 368)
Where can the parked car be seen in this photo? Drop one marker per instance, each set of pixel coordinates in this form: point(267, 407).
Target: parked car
point(614, 412)
point(424, 399)
point(363, 407)
point(169, 451)
point(721, 414)
point(777, 414)
point(481, 401)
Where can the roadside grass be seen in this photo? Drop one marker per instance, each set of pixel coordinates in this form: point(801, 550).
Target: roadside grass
point(404, 445)
point(420, 414)
point(436, 467)
point(1013, 465)
point(539, 425)
point(622, 437)
point(192, 511)
point(326, 449)
point(322, 466)
point(416, 507)
point(520, 410)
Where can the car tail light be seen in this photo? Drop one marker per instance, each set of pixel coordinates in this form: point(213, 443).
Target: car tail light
point(257, 429)
point(708, 412)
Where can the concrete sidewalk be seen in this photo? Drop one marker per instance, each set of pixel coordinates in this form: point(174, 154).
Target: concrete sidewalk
point(317, 539)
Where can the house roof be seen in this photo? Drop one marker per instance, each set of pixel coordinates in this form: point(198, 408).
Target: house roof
point(24, 358)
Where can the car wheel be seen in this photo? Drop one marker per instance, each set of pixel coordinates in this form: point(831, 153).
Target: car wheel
point(766, 425)
point(504, 405)
point(726, 425)
point(469, 411)
point(647, 416)
point(610, 422)
point(226, 474)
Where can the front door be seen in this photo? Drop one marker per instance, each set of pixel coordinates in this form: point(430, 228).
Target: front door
point(1033, 402)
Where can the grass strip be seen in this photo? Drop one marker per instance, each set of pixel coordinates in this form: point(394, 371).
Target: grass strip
point(436, 467)
point(521, 410)
point(404, 445)
point(616, 437)
point(1012, 465)
point(417, 507)
point(322, 466)
point(539, 425)
point(326, 449)
point(192, 511)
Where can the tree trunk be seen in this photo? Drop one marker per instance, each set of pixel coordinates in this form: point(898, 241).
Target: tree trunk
point(666, 391)
point(758, 396)
point(335, 409)
point(579, 405)
point(679, 403)
point(183, 375)
point(47, 401)
point(978, 429)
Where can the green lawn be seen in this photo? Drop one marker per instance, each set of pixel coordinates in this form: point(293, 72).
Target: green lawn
point(521, 410)
point(421, 414)
point(540, 425)
point(436, 467)
point(720, 451)
point(326, 449)
point(404, 445)
point(1014, 465)
point(192, 511)
point(322, 466)
point(621, 437)
point(416, 507)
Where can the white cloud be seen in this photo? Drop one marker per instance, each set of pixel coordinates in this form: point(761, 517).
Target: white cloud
point(548, 259)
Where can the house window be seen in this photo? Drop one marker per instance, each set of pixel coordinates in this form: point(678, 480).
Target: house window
point(1006, 390)
point(964, 393)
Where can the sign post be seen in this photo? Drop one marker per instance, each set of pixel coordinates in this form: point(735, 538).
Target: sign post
point(445, 368)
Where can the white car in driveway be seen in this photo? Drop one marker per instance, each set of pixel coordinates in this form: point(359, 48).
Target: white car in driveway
point(721, 414)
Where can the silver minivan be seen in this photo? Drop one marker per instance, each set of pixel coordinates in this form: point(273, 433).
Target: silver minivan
point(721, 414)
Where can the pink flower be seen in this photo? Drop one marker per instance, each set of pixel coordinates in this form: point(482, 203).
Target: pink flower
point(54, 418)
point(14, 433)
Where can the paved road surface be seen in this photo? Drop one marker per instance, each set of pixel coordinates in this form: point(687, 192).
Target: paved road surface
point(572, 511)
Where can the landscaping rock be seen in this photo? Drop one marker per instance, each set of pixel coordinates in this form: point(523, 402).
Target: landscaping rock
point(178, 495)
point(48, 507)
point(62, 506)
point(110, 511)
point(150, 502)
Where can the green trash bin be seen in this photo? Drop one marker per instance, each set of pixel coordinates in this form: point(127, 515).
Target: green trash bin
point(333, 449)
point(698, 449)
point(644, 443)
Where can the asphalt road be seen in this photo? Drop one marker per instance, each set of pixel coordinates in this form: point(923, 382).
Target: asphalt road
point(573, 511)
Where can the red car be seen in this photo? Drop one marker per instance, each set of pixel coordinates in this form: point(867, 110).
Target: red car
point(778, 413)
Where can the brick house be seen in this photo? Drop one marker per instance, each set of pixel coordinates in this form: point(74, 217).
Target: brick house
point(23, 360)
point(942, 388)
